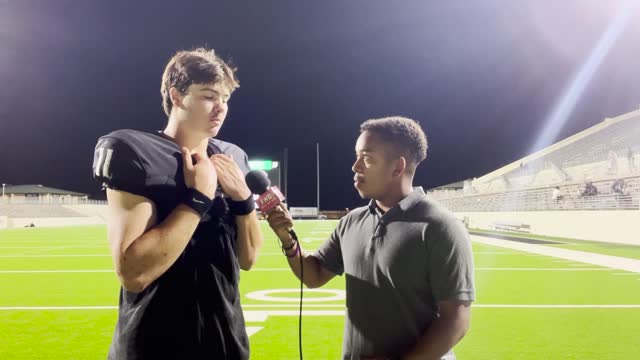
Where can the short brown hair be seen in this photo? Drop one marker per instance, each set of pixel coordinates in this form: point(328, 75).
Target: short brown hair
point(403, 133)
point(199, 66)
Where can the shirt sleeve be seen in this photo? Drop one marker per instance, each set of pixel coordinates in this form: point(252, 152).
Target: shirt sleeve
point(117, 166)
point(330, 253)
point(451, 261)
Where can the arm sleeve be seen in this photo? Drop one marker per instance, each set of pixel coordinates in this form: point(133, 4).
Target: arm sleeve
point(451, 262)
point(330, 253)
point(117, 166)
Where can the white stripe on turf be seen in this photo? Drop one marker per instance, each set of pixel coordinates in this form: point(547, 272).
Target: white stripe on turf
point(52, 271)
point(561, 306)
point(341, 312)
point(490, 269)
point(613, 262)
point(502, 253)
point(297, 312)
point(255, 316)
point(48, 242)
point(253, 329)
point(286, 269)
point(19, 308)
point(50, 256)
point(264, 306)
point(540, 269)
point(55, 247)
point(271, 269)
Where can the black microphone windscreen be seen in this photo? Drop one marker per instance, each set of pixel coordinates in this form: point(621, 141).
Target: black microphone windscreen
point(258, 181)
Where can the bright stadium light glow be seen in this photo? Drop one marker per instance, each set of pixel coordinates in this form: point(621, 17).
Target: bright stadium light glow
point(577, 86)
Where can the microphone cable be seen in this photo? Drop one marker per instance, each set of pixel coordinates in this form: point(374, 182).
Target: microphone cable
point(299, 250)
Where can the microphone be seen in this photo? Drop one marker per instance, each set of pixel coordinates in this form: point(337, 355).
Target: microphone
point(269, 196)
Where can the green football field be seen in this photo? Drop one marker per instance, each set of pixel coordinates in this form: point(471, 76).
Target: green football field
point(58, 298)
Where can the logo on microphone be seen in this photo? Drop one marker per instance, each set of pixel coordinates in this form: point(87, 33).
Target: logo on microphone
point(270, 199)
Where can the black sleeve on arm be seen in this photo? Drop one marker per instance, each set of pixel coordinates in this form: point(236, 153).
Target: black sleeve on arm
point(117, 166)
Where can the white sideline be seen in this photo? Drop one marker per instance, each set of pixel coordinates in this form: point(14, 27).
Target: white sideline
point(609, 261)
point(282, 269)
point(256, 315)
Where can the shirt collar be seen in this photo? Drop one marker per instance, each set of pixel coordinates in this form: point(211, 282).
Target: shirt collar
point(404, 204)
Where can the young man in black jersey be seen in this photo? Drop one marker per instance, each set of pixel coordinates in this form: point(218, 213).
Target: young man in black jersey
point(181, 221)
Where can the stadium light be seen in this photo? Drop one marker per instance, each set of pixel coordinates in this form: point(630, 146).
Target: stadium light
point(558, 117)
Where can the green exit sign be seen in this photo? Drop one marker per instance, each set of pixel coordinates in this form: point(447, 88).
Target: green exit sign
point(265, 165)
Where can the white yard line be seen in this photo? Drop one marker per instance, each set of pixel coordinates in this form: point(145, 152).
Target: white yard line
point(286, 269)
point(295, 313)
point(539, 269)
point(257, 315)
point(271, 269)
point(625, 274)
point(52, 271)
point(40, 308)
point(53, 256)
point(48, 242)
point(559, 306)
point(613, 262)
point(290, 306)
point(522, 253)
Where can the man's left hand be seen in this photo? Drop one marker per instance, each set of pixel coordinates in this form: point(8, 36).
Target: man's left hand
point(230, 177)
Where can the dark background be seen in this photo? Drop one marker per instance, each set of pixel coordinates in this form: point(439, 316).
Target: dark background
point(482, 77)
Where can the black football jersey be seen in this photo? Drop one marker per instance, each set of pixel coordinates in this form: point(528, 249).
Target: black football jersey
point(193, 310)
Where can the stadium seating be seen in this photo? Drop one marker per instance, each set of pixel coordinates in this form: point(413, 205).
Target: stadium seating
point(601, 154)
point(37, 211)
point(539, 199)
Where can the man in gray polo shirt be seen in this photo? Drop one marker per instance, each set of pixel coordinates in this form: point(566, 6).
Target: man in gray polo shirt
point(407, 259)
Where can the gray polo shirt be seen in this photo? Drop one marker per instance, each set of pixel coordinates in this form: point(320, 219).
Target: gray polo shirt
point(398, 265)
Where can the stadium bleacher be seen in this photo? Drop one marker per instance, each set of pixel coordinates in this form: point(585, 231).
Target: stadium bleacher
point(601, 155)
point(619, 142)
point(37, 211)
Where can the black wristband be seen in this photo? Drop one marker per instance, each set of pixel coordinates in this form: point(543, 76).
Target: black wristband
point(295, 252)
point(240, 208)
point(197, 201)
point(289, 247)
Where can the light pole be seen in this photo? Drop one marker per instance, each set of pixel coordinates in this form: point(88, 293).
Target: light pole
point(318, 177)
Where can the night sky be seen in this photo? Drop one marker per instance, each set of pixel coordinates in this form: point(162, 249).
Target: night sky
point(480, 76)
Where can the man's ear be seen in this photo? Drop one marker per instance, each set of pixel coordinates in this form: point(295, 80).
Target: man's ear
point(400, 166)
point(176, 97)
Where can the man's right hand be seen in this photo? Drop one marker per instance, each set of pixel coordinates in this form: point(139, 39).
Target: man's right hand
point(280, 222)
point(202, 175)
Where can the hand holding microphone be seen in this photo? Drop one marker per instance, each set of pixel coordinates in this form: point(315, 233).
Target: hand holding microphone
point(270, 203)
point(280, 221)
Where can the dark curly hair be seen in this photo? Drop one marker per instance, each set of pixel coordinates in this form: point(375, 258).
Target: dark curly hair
point(403, 133)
